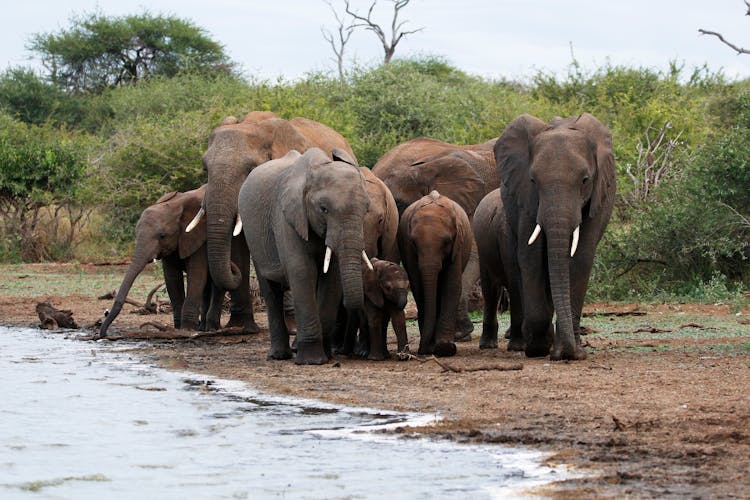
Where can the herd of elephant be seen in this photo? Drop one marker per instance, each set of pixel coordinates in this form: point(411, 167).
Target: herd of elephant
point(342, 243)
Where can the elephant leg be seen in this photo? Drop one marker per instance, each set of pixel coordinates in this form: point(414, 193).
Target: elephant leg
point(273, 294)
point(449, 295)
point(398, 320)
point(241, 303)
point(328, 298)
point(488, 340)
point(212, 315)
point(464, 325)
point(537, 328)
point(197, 278)
point(172, 268)
point(374, 326)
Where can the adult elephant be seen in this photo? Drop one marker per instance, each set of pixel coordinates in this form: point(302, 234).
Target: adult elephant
point(312, 211)
point(558, 190)
point(380, 230)
point(435, 241)
point(160, 234)
point(235, 148)
point(462, 173)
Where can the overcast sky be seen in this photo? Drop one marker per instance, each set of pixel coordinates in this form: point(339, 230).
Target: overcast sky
point(490, 38)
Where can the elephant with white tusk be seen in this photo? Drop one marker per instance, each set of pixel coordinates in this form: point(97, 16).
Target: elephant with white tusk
point(303, 222)
point(558, 189)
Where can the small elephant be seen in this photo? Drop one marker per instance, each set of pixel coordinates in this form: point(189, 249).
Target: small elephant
point(462, 173)
point(491, 232)
point(160, 234)
point(558, 188)
point(435, 241)
point(235, 148)
point(303, 214)
point(386, 290)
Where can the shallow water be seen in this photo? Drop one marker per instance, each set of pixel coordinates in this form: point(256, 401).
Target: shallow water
point(81, 420)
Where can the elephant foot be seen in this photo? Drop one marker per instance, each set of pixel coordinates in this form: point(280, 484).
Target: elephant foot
point(279, 354)
point(444, 349)
point(462, 337)
point(464, 327)
point(311, 353)
point(190, 325)
point(535, 349)
point(574, 354)
point(246, 322)
point(377, 356)
point(488, 340)
point(517, 345)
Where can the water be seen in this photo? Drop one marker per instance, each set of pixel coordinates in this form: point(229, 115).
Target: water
point(83, 420)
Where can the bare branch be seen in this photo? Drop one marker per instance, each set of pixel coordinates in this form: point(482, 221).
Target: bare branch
point(338, 46)
point(739, 50)
point(397, 32)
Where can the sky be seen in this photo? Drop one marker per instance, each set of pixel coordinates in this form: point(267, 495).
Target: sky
point(511, 39)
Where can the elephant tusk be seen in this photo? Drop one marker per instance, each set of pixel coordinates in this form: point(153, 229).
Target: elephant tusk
point(367, 261)
point(327, 260)
point(237, 226)
point(574, 246)
point(535, 234)
point(195, 220)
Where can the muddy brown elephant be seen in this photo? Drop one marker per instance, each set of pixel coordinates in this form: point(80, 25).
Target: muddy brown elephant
point(462, 173)
point(160, 234)
point(435, 241)
point(558, 189)
point(307, 239)
point(235, 148)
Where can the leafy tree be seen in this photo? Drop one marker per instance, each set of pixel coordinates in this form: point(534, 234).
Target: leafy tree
point(29, 98)
point(40, 168)
point(97, 52)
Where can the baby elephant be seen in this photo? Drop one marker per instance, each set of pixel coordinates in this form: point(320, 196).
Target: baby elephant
point(386, 290)
point(435, 240)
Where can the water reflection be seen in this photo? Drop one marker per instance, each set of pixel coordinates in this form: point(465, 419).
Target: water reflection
point(82, 421)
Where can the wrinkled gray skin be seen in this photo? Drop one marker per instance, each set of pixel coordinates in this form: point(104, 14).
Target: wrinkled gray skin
point(292, 208)
point(561, 176)
point(491, 232)
point(435, 242)
point(462, 173)
point(235, 148)
point(160, 234)
point(380, 229)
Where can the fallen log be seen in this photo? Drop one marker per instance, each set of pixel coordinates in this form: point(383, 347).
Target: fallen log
point(457, 369)
point(52, 319)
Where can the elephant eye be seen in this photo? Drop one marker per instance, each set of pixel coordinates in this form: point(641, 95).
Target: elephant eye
point(162, 236)
point(323, 209)
point(533, 181)
point(585, 179)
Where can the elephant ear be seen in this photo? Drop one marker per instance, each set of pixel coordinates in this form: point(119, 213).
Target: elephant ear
point(603, 192)
point(452, 175)
point(513, 148)
point(340, 155)
point(284, 137)
point(167, 197)
point(294, 190)
point(371, 285)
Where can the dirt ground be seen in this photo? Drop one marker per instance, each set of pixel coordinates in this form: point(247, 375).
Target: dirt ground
point(661, 407)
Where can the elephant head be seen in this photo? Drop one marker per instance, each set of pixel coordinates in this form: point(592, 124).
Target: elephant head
point(160, 232)
point(381, 219)
point(559, 182)
point(329, 199)
point(235, 148)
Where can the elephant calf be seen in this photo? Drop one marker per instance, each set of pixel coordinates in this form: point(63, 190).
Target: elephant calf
point(386, 290)
point(435, 241)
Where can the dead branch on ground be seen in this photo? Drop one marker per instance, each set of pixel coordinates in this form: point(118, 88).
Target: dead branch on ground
point(457, 369)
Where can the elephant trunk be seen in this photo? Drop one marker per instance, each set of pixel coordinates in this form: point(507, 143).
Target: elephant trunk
point(140, 259)
point(429, 274)
point(558, 234)
point(350, 266)
point(221, 213)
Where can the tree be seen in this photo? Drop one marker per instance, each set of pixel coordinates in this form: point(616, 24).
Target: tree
point(29, 98)
point(338, 45)
point(389, 45)
point(97, 52)
point(737, 48)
